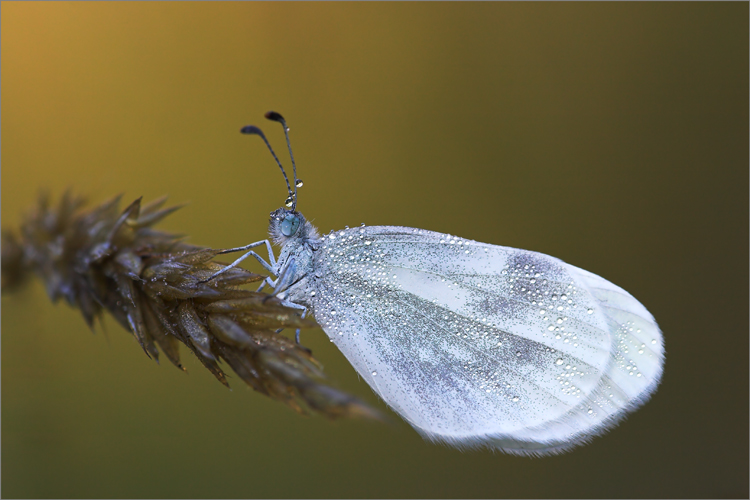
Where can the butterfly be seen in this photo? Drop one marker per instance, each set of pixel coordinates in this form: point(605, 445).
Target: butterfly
point(474, 345)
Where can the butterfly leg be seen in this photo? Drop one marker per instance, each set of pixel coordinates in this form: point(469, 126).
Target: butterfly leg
point(269, 249)
point(269, 267)
point(286, 303)
point(267, 281)
point(294, 306)
point(280, 285)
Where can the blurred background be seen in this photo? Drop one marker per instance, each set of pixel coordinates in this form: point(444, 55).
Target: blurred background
point(613, 136)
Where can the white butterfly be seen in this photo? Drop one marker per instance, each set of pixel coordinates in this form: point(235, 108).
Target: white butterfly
point(472, 344)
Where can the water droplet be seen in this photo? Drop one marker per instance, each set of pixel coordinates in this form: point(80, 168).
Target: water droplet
point(374, 374)
point(515, 399)
point(559, 361)
point(289, 202)
point(299, 183)
point(590, 311)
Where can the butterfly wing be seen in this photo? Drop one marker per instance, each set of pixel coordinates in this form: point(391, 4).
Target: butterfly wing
point(476, 344)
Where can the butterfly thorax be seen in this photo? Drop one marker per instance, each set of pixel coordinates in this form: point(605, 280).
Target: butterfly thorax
point(299, 240)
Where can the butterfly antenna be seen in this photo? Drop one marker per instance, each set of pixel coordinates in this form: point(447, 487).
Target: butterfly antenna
point(274, 116)
point(252, 129)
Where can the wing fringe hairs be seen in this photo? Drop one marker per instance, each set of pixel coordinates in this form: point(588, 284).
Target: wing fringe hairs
point(104, 259)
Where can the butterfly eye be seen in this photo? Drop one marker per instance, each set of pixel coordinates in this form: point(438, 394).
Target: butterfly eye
point(289, 225)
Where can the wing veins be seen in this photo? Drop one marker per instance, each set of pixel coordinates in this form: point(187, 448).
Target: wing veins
point(486, 356)
point(414, 364)
point(624, 310)
point(497, 295)
point(474, 243)
point(472, 348)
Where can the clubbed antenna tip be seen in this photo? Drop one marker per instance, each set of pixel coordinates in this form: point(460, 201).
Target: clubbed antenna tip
point(274, 116)
point(251, 129)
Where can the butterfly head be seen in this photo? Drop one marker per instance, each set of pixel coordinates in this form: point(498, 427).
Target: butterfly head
point(286, 225)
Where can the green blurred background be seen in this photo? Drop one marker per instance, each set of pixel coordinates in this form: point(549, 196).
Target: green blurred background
point(613, 136)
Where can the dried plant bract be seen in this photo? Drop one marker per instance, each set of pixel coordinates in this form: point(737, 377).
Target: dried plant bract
point(149, 280)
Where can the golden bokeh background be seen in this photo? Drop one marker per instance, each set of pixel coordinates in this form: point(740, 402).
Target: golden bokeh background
point(613, 136)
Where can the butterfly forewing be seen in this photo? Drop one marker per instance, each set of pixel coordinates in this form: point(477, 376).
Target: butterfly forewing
point(481, 344)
